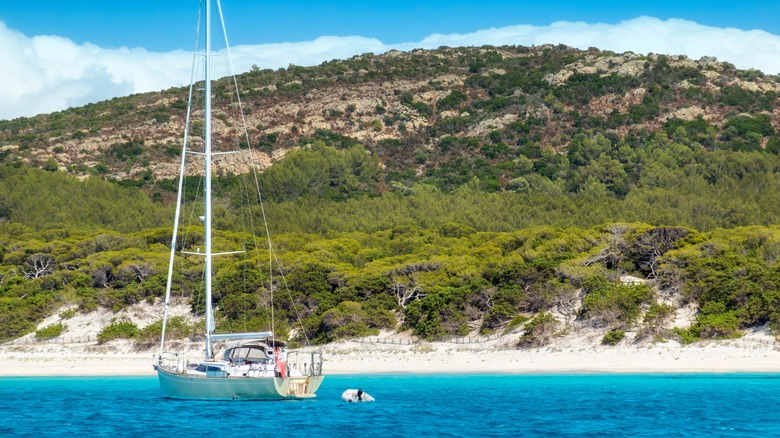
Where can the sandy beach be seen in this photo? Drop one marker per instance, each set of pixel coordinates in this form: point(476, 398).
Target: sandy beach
point(578, 350)
point(743, 355)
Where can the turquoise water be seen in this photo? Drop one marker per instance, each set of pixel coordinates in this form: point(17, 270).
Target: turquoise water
point(408, 405)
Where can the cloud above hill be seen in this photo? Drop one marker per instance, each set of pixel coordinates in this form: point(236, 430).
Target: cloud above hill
point(42, 74)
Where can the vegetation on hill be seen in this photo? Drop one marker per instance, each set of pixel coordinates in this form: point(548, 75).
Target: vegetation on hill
point(445, 192)
point(445, 116)
point(437, 282)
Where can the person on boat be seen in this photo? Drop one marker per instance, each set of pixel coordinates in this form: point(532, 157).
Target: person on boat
point(360, 395)
point(280, 367)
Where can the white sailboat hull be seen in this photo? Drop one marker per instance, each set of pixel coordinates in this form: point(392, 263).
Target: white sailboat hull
point(237, 388)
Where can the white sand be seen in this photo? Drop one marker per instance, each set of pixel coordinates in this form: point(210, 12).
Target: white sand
point(662, 358)
point(358, 358)
point(579, 351)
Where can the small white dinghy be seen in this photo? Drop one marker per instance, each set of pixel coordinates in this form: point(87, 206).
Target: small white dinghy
point(356, 396)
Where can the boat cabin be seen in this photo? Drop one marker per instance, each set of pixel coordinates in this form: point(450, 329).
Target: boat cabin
point(209, 369)
point(252, 352)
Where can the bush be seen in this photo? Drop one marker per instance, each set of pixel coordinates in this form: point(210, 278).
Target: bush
point(437, 315)
point(714, 322)
point(686, 335)
point(50, 331)
point(613, 337)
point(743, 125)
point(773, 145)
point(516, 321)
point(451, 101)
point(347, 320)
point(496, 316)
point(610, 303)
point(176, 328)
point(353, 329)
point(539, 331)
point(717, 326)
point(655, 320)
point(117, 330)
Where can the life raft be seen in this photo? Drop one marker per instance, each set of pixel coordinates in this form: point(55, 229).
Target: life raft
point(356, 396)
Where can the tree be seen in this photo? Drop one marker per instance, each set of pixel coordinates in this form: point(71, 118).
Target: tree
point(40, 265)
point(539, 331)
point(103, 277)
point(655, 320)
point(347, 320)
point(608, 304)
point(409, 290)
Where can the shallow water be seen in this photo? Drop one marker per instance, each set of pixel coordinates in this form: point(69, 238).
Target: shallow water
point(409, 405)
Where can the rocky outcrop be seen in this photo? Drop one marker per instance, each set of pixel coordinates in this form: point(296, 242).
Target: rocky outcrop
point(372, 99)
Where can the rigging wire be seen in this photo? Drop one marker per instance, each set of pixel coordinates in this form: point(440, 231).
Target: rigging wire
point(253, 165)
point(169, 282)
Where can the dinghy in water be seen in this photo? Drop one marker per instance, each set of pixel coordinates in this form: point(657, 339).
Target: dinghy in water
point(356, 396)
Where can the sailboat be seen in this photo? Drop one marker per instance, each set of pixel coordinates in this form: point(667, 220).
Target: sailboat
point(254, 365)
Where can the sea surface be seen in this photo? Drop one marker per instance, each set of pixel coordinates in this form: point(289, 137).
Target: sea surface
point(744, 405)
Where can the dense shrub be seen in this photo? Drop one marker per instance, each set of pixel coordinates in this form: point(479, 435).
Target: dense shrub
point(50, 331)
point(451, 100)
point(612, 304)
point(175, 328)
point(655, 319)
point(539, 331)
point(437, 315)
point(613, 337)
point(117, 330)
point(346, 320)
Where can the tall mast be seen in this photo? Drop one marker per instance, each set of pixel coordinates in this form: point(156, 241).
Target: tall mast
point(207, 188)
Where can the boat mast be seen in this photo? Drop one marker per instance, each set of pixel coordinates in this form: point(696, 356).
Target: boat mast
point(207, 188)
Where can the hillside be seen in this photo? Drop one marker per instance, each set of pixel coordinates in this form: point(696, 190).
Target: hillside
point(448, 192)
point(423, 110)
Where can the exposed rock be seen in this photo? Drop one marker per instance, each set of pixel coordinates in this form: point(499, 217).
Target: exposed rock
point(632, 68)
point(484, 127)
point(690, 113)
point(365, 103)
point(559, 78)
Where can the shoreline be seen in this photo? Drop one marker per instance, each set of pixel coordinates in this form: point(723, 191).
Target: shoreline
point(354, 358)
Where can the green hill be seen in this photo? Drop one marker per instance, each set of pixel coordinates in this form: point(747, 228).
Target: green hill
point(450, 191)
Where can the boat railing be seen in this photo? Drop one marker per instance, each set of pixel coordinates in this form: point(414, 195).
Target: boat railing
point(171, 362)
point(260, 370)
point(304, 363)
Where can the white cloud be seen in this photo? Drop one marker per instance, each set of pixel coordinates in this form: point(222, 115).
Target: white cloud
point(745, 49)
point(49, 73)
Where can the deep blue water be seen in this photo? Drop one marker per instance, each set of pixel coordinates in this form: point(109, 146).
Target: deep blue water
point(408, 405)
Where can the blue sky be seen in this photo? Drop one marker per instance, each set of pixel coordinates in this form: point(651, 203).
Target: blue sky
point(65, 53)
point(162, 25)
